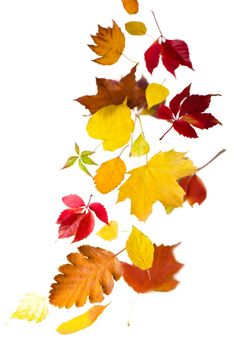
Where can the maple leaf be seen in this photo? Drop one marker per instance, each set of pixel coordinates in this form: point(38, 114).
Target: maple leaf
point(81, 322)
point(109, 232)
point(33, 307)
point(131, 6)
point(112, 124)
point(173, 53)
point(186, 111)
point(195, 190)
point(79, 221)
point(110, 175)
point(136, 28)
point(113, 92)
point(156, 181)
point(160, 277)
point(89, 274)
point(110, 43)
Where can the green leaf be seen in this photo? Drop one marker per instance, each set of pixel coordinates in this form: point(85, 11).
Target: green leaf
point(71, 160)
point(86, 159)
point(83, 168)
point(140, 147)
point(136, 28)
point(77, 149)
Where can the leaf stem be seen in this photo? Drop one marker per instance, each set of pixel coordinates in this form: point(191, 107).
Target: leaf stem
point(166, 133)
point(123, 151)
point(89, 201)
point(129, 59)
point(94, 150)
point(121, 251)
point(212, 159)
point(157, 24)
point(142, 130)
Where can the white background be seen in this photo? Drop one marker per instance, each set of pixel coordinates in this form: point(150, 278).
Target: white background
point(44, 64)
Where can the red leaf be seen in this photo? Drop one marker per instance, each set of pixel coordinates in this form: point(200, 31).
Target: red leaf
point(152, 56)
point(201, 120)
point(195, 104)
point(85, 227)
point(194, 188)
point(176, 101)
point(100, 212)
point(165, 113)
point(68, 216)
point(73, 201)
point(69, 230)
point(184, 128)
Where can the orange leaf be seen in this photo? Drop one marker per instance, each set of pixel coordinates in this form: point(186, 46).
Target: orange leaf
point(110, 43)
point(160, 277)
point(110, 175)
point(131, 6)
point(194, 188)
point(89, 274)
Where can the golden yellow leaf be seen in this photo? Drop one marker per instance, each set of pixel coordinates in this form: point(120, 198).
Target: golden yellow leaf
point(110, 43)
point(110, 175)
point(136, 28)
point(112, 124)
point(81, 322)
point(33, 307)
point(131, 6)
point(140, 147)
point(155, 94)
point(140, 249)
point(156, 181)
point(109, 232)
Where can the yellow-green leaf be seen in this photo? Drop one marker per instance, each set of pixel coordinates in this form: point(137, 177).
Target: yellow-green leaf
point(109, 232)
point(77, 148)
point(136, 28)
point(140, 249)
point(71, 160)
point(112, 124)
point(155, 94)
point(83, 167)
point(81, 322)
point(140, 147)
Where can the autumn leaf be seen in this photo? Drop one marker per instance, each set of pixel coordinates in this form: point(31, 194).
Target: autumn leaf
point(109, 44)
point(155, 94)
point(81, 322)
point(131, 6)
point(160, 277)
point(112, 124)
point(140, 147)
point(113, 92)
point(186, 111)
point(110, 175)
point(33, 307)
point(156, 181)
point(140, 249)
point(195, 190)
point(70, 161)
point(136, 28)
point(89, 274)
point(109, 232)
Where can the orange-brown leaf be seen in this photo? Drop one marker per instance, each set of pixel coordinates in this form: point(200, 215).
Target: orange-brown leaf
point(195, 190)
point(160, 277)
point(131, 6)
point(115, 92)
point(110, 43)
point(89, 274)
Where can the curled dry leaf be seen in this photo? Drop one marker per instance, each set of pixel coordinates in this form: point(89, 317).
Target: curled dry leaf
point(131, 6)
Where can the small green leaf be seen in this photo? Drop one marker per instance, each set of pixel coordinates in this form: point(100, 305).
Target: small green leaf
point(86, 159)
point(136, 28)
point(140, 147)
point(83, 168)
point(71, 160)
point(87, 153)
point(77, 149)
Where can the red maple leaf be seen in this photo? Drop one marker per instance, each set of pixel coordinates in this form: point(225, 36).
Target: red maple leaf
point(186, 111)
point(79, 221)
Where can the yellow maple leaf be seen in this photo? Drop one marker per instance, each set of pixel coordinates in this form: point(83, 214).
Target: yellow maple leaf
point(156, 181)
point(81, 322)
point(33, 307)
point(140, 249)
point(109, 232)
point(155, 94)
point(112, 124)
point(110, 43)
point(140, 147)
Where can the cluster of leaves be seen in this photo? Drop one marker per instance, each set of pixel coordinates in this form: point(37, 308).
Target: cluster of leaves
point(167, 177)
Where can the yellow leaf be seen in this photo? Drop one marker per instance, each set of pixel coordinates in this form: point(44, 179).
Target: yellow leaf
point(33, 307)
point(131, 6)
point(81, 322)
point(140, 147)
point(157, 181)
point(140, 249)
point(110, 175)
point(110, 43)
point(136, 28)
point(155, 94)
point(112, 124)
point(109, 232)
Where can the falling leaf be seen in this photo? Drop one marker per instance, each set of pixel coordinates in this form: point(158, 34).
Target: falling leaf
point(136, 28)
point(109, 232)
point(160, 277)
point(131, 6)
point(110, 175)
point(115, 92)
point(140, 147)
point(140, 249)
point(195, 190)
point(109, 44)
point(156, 181)
point(89, 274)
point(71, 160)
point(81, 322)
point(155, 94)
point(112, 124)
point(33, 307)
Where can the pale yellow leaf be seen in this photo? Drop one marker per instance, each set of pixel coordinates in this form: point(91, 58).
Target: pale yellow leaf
point(136, 28)
point(109, 232)
point(155, 94)
point(140, 147)
point(112, 124)
point(140, 249)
